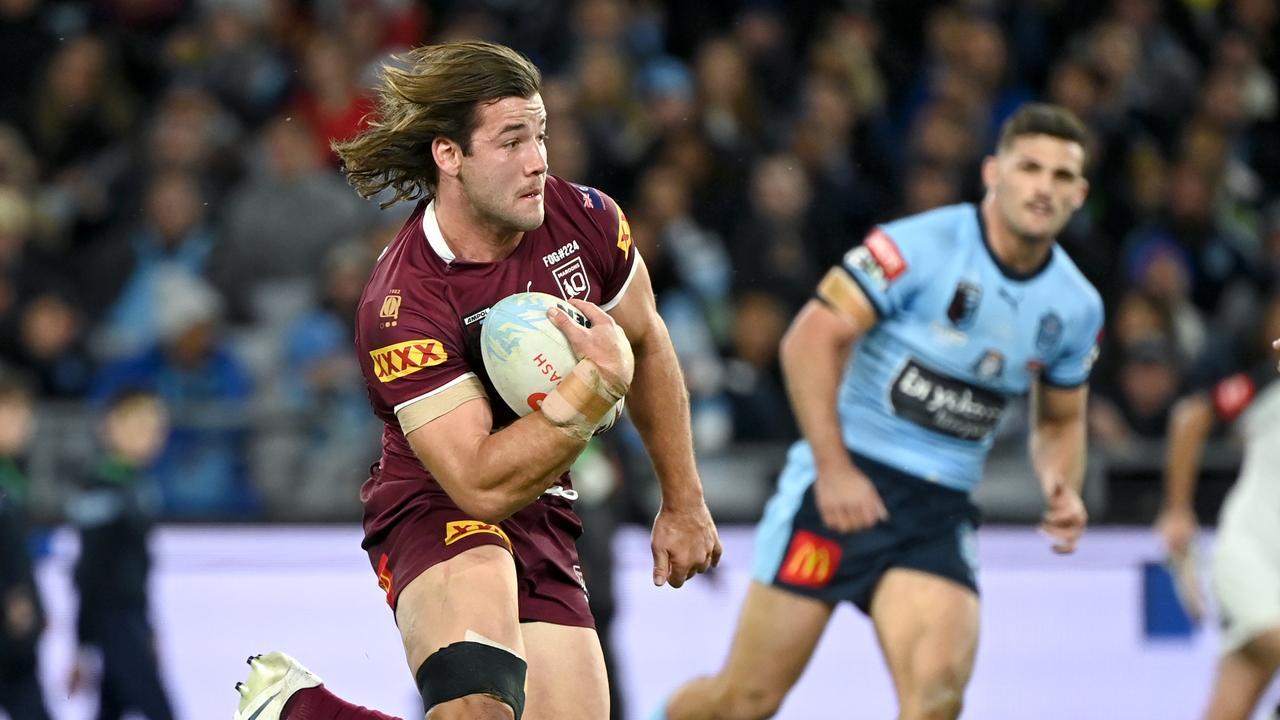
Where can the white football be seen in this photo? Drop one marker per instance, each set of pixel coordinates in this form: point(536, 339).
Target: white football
point(526, 356)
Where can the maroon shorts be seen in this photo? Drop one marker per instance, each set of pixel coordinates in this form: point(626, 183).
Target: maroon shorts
point(411, 524)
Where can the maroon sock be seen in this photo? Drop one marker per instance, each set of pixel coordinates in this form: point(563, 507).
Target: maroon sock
point(317, 703)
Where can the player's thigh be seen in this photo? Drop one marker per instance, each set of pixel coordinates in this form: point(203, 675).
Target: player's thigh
point(1264, 650)
point(567, 678)
point(471, 596)
point(1237, 686)
point(776, 634)
point(927, 626)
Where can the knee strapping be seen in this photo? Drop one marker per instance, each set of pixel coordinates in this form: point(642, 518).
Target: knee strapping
point(472, 668)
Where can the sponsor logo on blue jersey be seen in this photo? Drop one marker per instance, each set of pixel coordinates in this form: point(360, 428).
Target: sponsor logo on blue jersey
point(944, 404)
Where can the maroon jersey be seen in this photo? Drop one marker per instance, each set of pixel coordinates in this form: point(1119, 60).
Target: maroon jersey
point(418, 322)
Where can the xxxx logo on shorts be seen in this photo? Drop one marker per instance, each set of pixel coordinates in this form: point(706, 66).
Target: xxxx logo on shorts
point(406, 358)
point(460, 529)
point(811, 561)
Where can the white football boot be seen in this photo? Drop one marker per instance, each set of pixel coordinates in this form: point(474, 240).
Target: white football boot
point(273, 679)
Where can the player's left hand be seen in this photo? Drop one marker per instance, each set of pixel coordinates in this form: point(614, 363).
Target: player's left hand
point(685, 543)
point(1064, 519)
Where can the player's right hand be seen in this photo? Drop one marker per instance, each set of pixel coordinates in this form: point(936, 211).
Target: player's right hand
point(604, 343)
point(847, 501)
point(1177, 528)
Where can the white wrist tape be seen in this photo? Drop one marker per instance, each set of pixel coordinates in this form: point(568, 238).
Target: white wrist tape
point(581, 400)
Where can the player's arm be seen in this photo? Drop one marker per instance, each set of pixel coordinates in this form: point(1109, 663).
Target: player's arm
point(814, 352)
point(659, 400)
point(1058, 455)
point(685, 540)
point(491, 475)
point(1190, 423)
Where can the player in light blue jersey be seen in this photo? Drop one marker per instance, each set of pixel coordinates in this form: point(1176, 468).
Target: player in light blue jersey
point(898, 372)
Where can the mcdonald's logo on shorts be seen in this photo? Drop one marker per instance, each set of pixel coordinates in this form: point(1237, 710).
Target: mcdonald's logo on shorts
point(460, 529)
point(811, 561)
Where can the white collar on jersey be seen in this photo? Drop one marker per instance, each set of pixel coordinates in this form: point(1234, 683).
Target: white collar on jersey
point(431, 228)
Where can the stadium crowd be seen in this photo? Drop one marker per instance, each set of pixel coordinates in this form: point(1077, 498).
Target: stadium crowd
point(171, 214)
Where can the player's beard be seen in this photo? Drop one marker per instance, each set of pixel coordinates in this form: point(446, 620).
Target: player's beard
point(498, 211)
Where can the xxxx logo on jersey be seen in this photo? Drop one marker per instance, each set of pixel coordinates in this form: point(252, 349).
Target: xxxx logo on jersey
point(406, 358)
point(624, 234)
point(459, 529)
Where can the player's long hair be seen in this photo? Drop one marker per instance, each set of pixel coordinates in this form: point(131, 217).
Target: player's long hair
point(431, 91)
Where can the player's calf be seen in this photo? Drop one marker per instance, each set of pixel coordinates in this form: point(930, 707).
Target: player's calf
point(749, 703)
point(718, 698)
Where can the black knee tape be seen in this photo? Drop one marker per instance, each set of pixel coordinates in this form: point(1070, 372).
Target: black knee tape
point(470, 668)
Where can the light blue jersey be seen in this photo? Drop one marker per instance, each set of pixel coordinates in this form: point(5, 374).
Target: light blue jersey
point(959, 334)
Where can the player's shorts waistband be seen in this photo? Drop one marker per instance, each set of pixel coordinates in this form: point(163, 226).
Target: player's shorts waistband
point(881, 474)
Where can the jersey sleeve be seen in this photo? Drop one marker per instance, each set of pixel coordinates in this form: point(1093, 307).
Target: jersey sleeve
point(1072, 365)
point(410, 354)
point(891, 268)
point(615, 253)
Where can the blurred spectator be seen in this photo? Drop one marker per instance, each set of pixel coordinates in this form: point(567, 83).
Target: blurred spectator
point(771, 244)
point(762, 32)
point(668, 95)
point(332, 104)
point(844, 165)
point(26, 41)
point(52, 346)
point(753, 377)
point(1165, 72)
point(170, 236)
point(928, 185)
point(374, 29)
point(228, 52)
point(325, 395)
point(1149, 380)
point(611, 118)
point(691, 276)
point(1217, 256)
point(693, 254)
point(1160, 272)
point(192, 133)
point(1139, 373)
point(17, 164)
point(22, 618)
point(113, 508)
point(41, 327)
point(193, 370)
point(728, 103)
point(15, 228)
point(81, 108)
point(280, 223)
